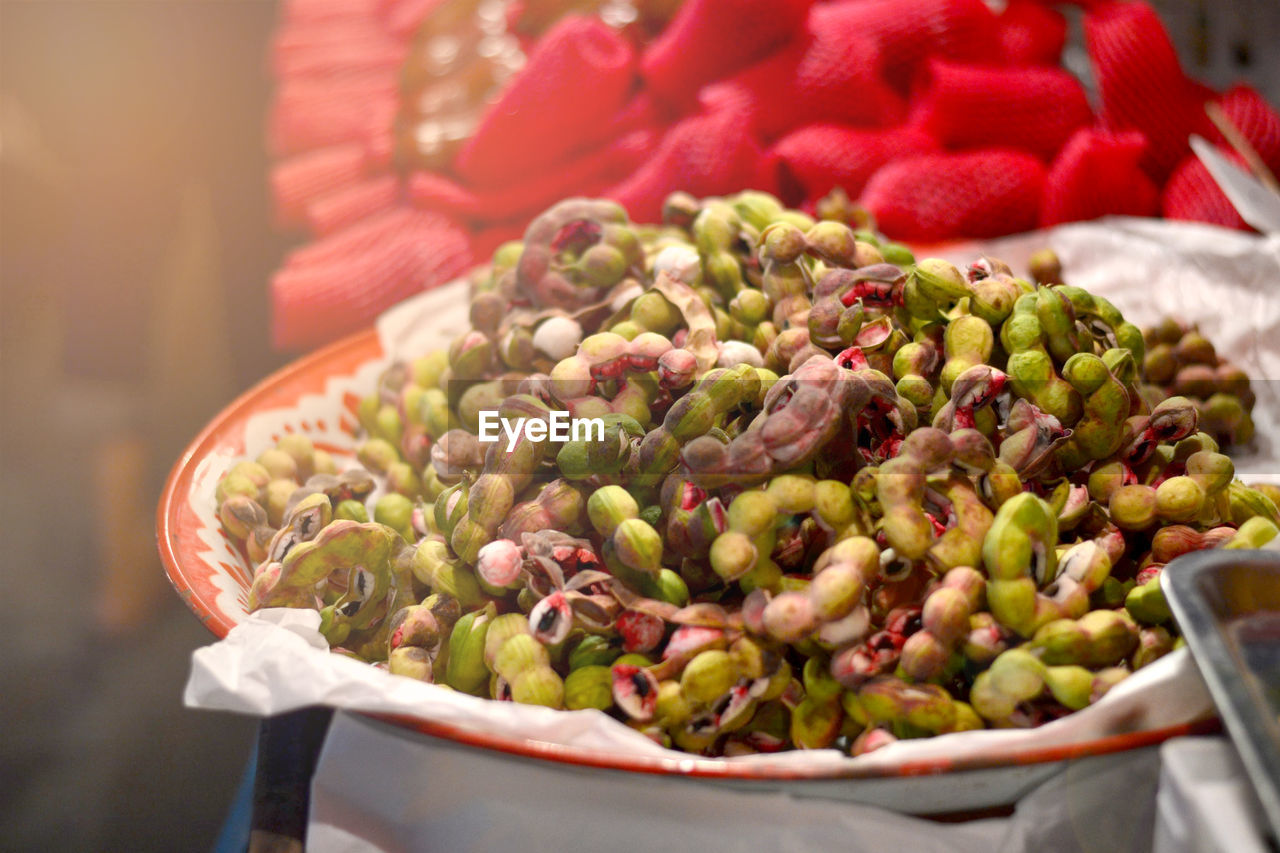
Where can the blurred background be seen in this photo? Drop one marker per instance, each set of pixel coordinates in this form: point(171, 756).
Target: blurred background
point(136, 248)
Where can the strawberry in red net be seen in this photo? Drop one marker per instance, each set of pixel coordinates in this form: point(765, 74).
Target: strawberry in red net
point(1192, 194)
point(943, 196)
point(312, 111)
point(703, 155)
point(342, 282)
point(1141, 82)
point(1031, 33)
point(815, 159)
point(710, 39)
point(910, 31)
point(334, 211)
point(833, 74)
point(578, 77)
point(1098, 173)
point(589, 174)
point(972, 106)
point(1256, 120)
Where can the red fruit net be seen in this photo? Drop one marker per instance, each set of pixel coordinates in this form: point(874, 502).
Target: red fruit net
point(831, 76)
point(336, 210)
point(710, 39)
point(942, 196)
point(340, 284)
point(940, 114)
point(1031, 33)
point(1192, 194)
point(814, 159)
point(704, 155)
point(1256, 121)
point(1098, 173)
point(1141, 82)
point(970, 106)
point(305, 177)
point(910, 31)
point(589, 174)
point(577, 79)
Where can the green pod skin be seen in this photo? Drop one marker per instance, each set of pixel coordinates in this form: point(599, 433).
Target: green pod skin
point(968, 341)
point(1099, 432)
point(962, 544)
point(1019, 555)
point(466, 671)
point(1058, 322)
point(1254, 533)
point(1089, 307)
point(1030, 367)
point(1097, 639)
point(1146, 604)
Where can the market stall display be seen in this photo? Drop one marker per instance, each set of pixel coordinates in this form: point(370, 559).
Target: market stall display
point(835, 497)
point(946, 119)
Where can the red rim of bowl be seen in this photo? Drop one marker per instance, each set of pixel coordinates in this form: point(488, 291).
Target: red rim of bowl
point(283, 388)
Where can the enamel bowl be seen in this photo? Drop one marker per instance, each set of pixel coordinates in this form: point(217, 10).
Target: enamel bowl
point(317, 395)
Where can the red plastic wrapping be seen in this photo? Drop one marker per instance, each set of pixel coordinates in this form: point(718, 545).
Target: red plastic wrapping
point(312, 113)
point(1031, 33)
point(943, 196)
point(704, 155)
point(1098, 173)
point(341, 283)
point(812, 160)
point(832, 75)
point(710, 39)
point(588, 175)
point(336, 210)
point(301, 179)
point(910, 31)
point(578, 77)
point(970, 106)
point(1141, 82)
point(1192, 194)
point(1256, 120)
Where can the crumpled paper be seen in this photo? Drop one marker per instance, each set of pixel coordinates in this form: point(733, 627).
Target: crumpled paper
point(276, 660)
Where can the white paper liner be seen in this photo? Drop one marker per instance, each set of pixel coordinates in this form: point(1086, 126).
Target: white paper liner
point(276, 661)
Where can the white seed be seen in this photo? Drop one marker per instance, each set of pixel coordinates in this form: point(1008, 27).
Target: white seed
point(679, 262)
point(733, 353)
point(557, 337)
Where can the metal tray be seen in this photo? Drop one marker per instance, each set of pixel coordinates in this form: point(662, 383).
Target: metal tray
point(1227, 604)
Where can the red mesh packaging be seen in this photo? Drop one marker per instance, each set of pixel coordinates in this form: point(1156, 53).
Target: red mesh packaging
point(300, 179)
point(710, 39)
point(704, 155)
point(831, 75)
point(1141, 82)
point(1192, 194)
point(1256, 120)
point(305, 117)
point(812, 160)
point(319, 297)
point(578, 77)
point(910, 31)
point(402, 17)
point(1098, 173)
point(336, 210)
point(970, 106)
point(943, 196)
point(1031, 33)
point(586, 175)
point(316, 11)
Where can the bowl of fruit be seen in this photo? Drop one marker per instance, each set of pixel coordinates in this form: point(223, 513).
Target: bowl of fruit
point(747, 485)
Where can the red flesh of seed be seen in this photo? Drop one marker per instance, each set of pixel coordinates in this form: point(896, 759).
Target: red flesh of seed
point(577, 236)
